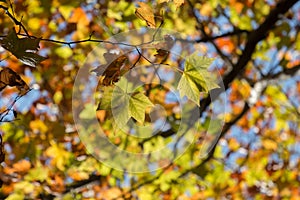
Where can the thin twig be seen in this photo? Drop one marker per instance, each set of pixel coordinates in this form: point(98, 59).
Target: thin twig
point(9, 108)
point(16, 22)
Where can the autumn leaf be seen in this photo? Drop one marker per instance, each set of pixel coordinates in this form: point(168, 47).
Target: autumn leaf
point(163, 49)
point(111, 71)
point(196, 78)
point(145, 12)
point(178, 3)
point(161, 56)
point(11, 78)
point(22, 166)
point(137, 106)
point(24, 49)
point(79, 16)
point(124, 102)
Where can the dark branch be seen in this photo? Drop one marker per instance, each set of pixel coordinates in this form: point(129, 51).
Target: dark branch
point(211, 38)
point(253, 38)
point(16, 22)
point(212, 149)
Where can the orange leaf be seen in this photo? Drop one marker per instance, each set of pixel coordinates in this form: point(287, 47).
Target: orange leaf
point(79, 16)
point(7, 189)
point(78, 176)
point(22, 166)
point(101, 114)
point(233, 144)
point(270, 144)
point(238, 6)
point(225, 44)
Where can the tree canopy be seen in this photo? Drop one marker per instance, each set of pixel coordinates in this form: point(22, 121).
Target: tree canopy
point(166, 99)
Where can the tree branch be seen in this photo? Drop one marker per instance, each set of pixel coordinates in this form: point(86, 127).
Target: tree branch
point(211, 38)
point(16, 22)
point(254, 37)
point(212, 149)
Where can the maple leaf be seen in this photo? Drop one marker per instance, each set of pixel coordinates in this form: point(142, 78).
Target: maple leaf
point(196, 78)
point(125, 102)
point(111, 71)
point(23, 48)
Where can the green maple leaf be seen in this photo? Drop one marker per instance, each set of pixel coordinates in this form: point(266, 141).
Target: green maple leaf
point(124, 102)
point(120, 106)
point(196, 78)
point(137, 106)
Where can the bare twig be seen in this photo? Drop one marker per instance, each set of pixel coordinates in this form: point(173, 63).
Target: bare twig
point(16, 22)
point(10, 107)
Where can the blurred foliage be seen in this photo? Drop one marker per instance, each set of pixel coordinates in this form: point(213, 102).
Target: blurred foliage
point(257, 158)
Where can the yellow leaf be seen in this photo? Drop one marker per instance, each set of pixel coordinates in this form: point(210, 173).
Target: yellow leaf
point(64, 52)
point(145, 13)
point(206, 9)
point(59, 154)
point(24, 186)
point(269, 144)
point(178, 3)
point(233, 144)
point(163, 1)
point(38, 126)
point(65, 10)
point(57, 97)
point(34, 23)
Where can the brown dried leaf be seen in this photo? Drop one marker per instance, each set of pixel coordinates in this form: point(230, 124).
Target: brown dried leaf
point(111, 72)
point(163, 49)
point(11, 78)
point(161, 56)
point(145, 13)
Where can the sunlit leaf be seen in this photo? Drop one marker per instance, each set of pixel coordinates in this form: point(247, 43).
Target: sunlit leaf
point(22, 166)
point(188, 88)
point(137, 106)
point(178, 3)
point(38, 126)
point(145, 13)
point(196, 78)
point(125, 104)
point(39, 173)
